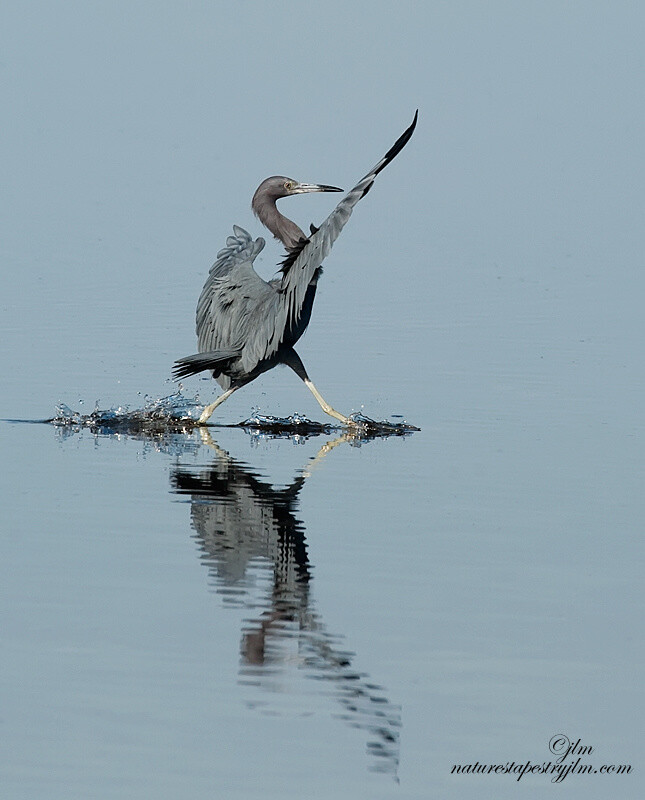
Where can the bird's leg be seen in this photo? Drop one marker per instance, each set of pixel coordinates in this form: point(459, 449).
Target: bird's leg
point(325, 405)
point(292, 359)
point(206, 413)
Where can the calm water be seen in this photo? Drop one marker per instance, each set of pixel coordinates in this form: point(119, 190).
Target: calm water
point(233, 614)
point(238, 614)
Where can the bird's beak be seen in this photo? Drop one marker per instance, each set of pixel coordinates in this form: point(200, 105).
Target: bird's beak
point(301, 188)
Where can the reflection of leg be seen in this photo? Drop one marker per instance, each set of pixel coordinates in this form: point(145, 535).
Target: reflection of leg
point(208, 440)
point(292, 359)
point(326, 448)
point(206, 413)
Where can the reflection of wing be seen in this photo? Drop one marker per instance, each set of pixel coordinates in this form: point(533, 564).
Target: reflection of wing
point(299, 272)
point(240, 519)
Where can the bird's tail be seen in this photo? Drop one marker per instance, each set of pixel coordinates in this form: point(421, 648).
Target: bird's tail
point(214, 360)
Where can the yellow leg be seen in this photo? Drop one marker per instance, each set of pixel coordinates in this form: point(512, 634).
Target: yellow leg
point(207, 412)
point(325, 405)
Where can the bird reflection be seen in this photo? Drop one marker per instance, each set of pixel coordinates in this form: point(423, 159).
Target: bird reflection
point(247, 529)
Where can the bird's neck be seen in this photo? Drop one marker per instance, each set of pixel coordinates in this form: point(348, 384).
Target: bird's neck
point(280, 226)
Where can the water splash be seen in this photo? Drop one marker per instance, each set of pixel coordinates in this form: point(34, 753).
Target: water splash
point(299, 428)
point(177, 413)
point(384, 427)
point(159, 417)
point(173, 413)
point(163, 425)
point(296, 425)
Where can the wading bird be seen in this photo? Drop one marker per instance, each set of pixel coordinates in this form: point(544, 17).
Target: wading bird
point(245, 325)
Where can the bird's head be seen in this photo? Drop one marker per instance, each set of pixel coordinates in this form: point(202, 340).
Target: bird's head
point(264, 206)
point(279, 186)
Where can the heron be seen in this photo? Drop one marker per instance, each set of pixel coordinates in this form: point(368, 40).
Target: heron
point(246, 325)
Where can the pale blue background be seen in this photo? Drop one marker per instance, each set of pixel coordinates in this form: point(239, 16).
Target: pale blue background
point(486, 571)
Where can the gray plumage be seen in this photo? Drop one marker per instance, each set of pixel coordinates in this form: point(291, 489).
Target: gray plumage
point(246, 325)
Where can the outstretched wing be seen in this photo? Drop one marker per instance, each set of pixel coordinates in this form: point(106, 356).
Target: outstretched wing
point(299, 272)
point(236, 313)
point(231, 287)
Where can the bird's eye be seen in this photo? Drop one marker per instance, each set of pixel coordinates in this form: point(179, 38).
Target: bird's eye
point(288, 185)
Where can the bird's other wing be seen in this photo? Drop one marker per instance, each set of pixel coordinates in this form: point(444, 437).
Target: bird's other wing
point(230, 289)
point(299, 272)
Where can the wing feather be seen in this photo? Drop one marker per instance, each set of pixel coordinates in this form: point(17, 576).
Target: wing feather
point(233, 297)
point(299, 274)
